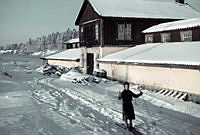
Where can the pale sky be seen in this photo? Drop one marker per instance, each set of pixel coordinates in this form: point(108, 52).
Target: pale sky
point(21, 19)
point(24, 19)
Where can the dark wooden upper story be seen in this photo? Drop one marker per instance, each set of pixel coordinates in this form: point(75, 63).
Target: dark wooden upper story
point(177, 35)
point(98, 30)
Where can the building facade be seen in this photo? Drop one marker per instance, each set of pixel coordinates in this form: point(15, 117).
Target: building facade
point(178, 31)
point(162, 64)
point(71, 44)
point(106, 27)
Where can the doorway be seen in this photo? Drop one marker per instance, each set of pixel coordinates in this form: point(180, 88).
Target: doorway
point(90, 63)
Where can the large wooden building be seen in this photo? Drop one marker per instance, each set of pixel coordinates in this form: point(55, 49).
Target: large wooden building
point(108, 26)
point(162, 64)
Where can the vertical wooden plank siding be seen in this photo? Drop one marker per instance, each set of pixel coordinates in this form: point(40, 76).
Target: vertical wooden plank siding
point(196, 34)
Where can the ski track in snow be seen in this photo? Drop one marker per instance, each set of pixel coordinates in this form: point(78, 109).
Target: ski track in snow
point(99, 111)
point(84, 107)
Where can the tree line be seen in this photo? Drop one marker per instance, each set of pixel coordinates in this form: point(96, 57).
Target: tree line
point(53, 41)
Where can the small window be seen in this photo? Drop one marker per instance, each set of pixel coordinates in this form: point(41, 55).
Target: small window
point(74, 45)
point(121, 29)
point(149, 38)
point(82, 34)
point(97, 32)
point(128, 32)
point(81, 29)
point(186, 35)
point(82, 60)
point(165, 37)
point(124, 32)
point(78, 45)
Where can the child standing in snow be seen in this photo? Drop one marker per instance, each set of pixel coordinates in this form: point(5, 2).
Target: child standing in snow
point(127, 106)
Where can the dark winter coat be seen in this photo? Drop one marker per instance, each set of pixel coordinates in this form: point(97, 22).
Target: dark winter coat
point(127, 106)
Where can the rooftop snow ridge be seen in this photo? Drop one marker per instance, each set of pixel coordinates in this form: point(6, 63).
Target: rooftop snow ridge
point(182, 24)
point(179, 53)
point(70, 54)
point(74, 40)
point(143, 9)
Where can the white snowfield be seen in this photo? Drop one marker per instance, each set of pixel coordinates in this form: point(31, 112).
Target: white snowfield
point(33, 104)
point(70, 54)
point(143, 9)
point(183, 24)
point(184, 53)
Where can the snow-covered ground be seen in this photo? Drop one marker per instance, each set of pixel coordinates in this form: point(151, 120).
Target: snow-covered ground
point(7, 51)
point(78, 104)
point(41, 53)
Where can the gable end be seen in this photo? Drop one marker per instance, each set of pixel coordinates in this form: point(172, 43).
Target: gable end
point(87, 13)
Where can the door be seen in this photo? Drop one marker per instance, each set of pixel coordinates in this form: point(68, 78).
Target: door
point(90, 63)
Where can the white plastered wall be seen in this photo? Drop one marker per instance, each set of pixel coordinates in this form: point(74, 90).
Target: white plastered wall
point(98, 52)
point(64, 63)
point(185, 80)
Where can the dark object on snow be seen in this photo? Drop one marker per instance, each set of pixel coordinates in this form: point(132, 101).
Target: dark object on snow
point(7, 74)
point(52, 69)
point(132, 129)
point(101, 73)
point(127, 106)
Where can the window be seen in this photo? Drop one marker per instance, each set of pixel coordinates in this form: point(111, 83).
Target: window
point(82, 36)
point(149, 38)
point(186, 35)
point(124, 32)
point(165, 37)
point(82, 59)
point(121, 32)
point(97, 32)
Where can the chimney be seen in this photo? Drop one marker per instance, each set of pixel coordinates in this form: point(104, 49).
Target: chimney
point(180, 1)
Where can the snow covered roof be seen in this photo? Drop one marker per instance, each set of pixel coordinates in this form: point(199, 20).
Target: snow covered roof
point(70, 54)
point(143, 9)
point(182, 53)
point(182, 24)
point(75, 40)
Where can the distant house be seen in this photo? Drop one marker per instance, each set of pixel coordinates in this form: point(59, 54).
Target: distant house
point(68, 58)
point(72, 43)
point(108, 26)
point(178, 31)
point(167, 64)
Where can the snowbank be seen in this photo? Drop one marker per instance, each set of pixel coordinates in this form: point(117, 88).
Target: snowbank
point(41, 53)
point(6, 51)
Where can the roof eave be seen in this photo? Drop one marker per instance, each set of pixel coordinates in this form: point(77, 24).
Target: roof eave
point(169, 65)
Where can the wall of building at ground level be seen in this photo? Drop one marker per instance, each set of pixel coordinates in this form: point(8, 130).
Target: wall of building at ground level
point(64, 63)
point(185, 80)
point(98, 52)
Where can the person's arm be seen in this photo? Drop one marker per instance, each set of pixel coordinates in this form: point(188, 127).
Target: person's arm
point(137, 95)
point(120, 95)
